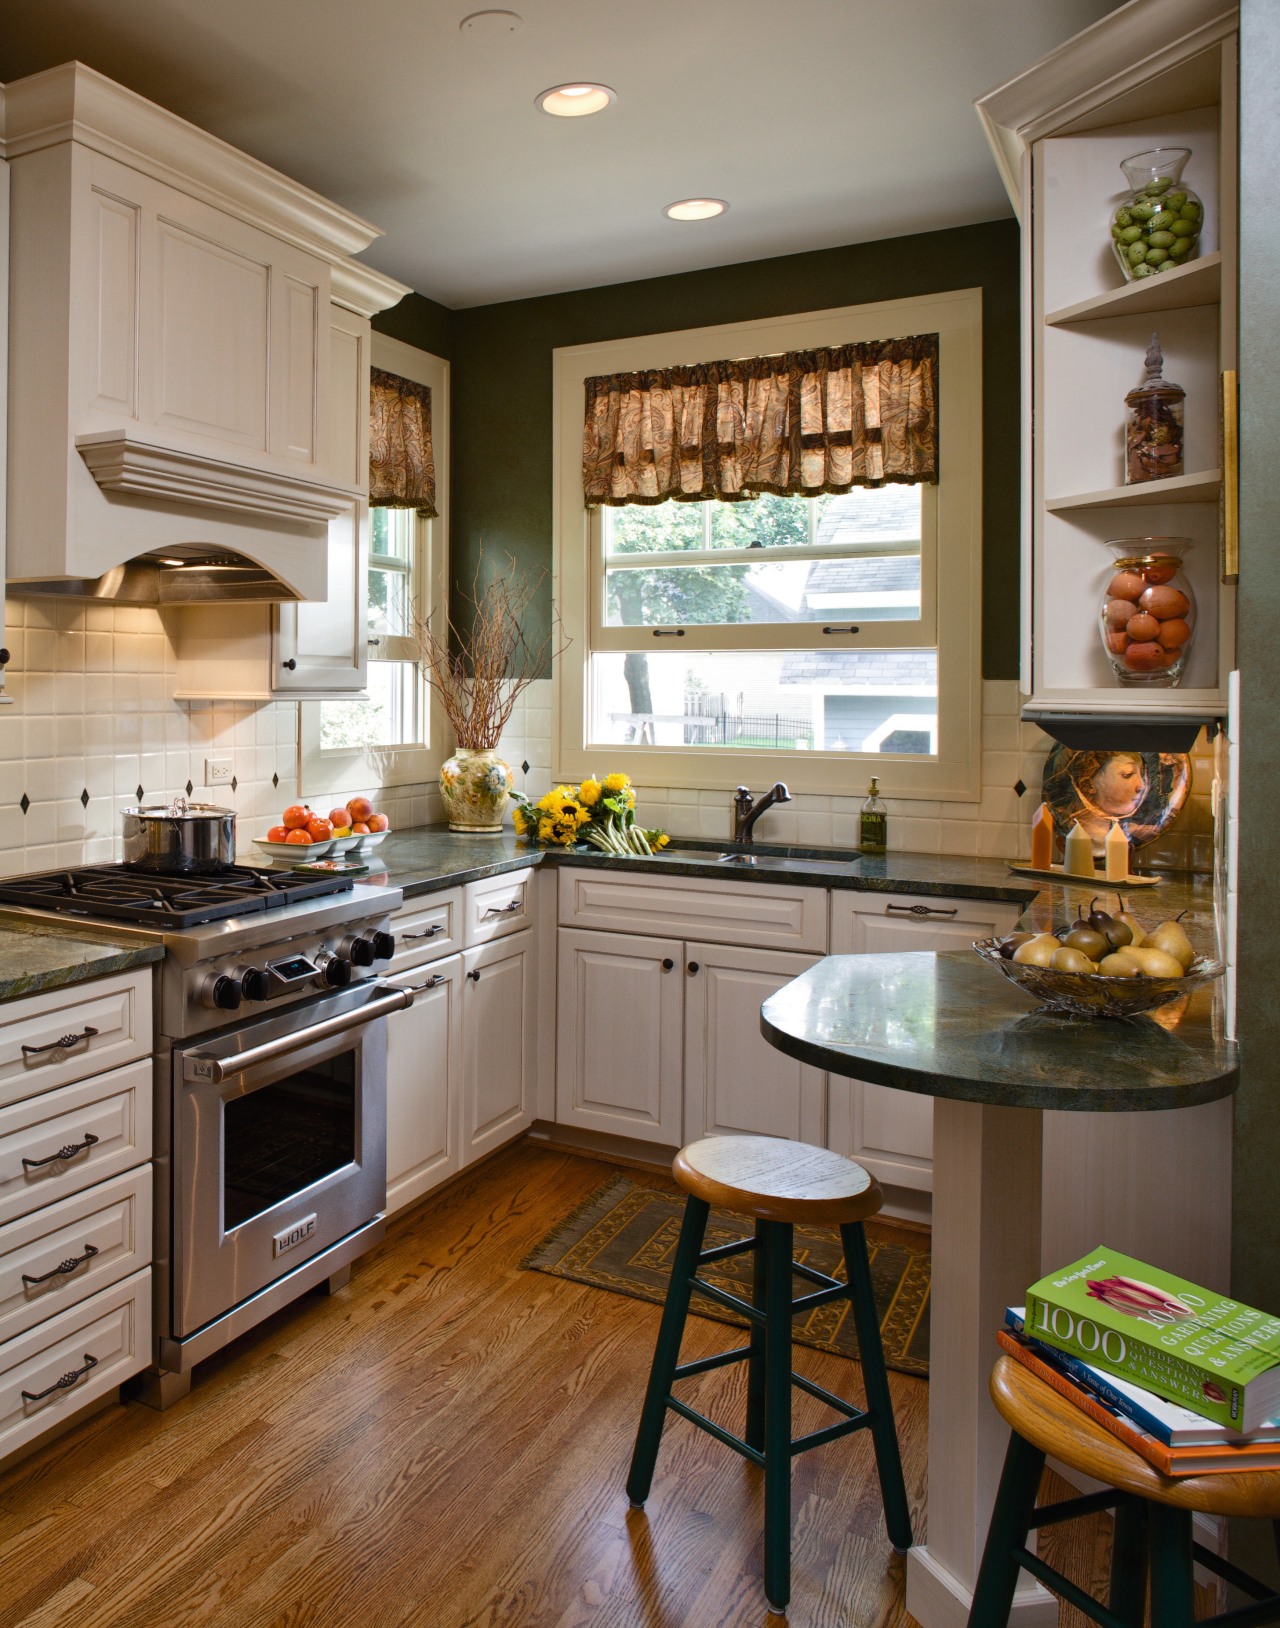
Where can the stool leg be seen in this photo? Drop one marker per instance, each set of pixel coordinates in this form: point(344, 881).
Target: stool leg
point(755, 1363)
point(1172, 1580)
point(666, 1356)
point(1127, 1595)
point(884, 1435)
point(1010, 1521)
point(777, 1239)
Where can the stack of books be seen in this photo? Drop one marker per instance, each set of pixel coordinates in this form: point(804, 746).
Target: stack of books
point(1184, 1376)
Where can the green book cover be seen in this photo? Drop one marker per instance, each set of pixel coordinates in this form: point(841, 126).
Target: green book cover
point(1188, 1344)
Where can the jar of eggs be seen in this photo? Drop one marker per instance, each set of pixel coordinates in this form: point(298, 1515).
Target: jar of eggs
point(1148, 615)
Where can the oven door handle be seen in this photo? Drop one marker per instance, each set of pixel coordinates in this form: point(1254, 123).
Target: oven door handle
point(198, 1069)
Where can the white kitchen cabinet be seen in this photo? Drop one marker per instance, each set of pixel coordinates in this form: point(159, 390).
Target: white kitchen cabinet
point(658, 1036)
point(76, 1093)
point(619, 1034)
point(424, 1064)
point(1147, 76)
point(499, 1073)
point(887, 1130)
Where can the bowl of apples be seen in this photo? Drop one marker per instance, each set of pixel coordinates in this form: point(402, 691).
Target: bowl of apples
point(357, 826)
point(1102, 965)
point(300, 835)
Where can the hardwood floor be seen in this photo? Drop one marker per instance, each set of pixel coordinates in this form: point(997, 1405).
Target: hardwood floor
point(444, 1444)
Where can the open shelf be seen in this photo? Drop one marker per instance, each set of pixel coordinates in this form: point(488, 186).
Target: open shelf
point(1202, 487)
point(1200, 283)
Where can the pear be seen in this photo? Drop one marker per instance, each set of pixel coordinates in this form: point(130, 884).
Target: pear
point(1119, 964)
point(1138, 936)
point(1088, 941)
point(1155, 962)
point(1067, 959)
point(1038, 951)
point(1171, 938)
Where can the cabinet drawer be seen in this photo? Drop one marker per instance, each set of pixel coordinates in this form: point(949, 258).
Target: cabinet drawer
point(881, 922)
point(761, 915)
point(115, 1109)
point(107, 1022)
point(496, 906)
point(426, 929)
point(112, 1328)
point(112, 1219)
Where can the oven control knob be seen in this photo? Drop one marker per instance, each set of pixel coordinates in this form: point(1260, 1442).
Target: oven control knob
point(255, 983)
point(335, 970)
point(384, 946)
point(224, 993)
point(361, 952)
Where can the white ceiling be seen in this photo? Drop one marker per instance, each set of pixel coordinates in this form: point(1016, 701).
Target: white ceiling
point(823, 122)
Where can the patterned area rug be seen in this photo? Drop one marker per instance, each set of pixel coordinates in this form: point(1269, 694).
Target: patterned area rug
point(623, 1238)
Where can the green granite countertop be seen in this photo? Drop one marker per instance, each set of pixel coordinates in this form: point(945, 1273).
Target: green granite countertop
point(41, 955)
point(947, 1025)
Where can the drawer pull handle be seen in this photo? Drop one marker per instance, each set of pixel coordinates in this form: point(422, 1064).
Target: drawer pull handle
point(63, 1384)
point(512, 909)
point(68, 1151)
point(65, 1044)
point(429, 932)
point(432, 982)
point(918, 910)
point(64, 1267)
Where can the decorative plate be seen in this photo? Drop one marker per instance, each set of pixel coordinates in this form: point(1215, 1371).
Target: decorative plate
point(1090, 994)
point(1145, 791)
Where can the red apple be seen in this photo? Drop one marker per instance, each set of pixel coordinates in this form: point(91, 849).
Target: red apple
point(359, 808)
point(360, 829)
point(378, 822)
point(339, 818)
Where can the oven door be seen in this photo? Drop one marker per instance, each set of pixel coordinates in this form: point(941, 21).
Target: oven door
point(279, 1146)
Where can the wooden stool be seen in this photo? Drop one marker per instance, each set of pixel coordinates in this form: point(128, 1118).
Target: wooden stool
point(780, 1184)
point(1152, 1517)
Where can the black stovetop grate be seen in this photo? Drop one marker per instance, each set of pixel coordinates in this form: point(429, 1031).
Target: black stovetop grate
point(126, 893)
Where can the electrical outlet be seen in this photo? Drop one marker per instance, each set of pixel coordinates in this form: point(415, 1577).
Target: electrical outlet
point(217, 771)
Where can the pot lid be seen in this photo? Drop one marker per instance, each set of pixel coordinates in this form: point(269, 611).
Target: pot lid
point(179, 809)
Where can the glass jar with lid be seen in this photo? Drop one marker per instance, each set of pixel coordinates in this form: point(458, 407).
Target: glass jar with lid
point(1148, 615)
point(1153, 423)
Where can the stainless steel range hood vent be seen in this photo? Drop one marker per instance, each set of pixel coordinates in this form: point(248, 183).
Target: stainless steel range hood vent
point(185, 574)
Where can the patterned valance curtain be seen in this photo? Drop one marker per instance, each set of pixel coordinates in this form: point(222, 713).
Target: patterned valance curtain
point(402, 469)
point(801, 423)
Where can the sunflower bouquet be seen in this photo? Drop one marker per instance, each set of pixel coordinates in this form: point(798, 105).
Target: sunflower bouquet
point(599, 813)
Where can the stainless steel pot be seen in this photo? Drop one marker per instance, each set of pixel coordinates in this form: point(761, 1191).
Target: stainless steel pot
point(180, 837)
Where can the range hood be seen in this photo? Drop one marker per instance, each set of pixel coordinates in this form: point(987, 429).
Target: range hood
point(182, 426)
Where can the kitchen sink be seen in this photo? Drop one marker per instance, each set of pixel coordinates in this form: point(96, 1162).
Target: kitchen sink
point(762, 856)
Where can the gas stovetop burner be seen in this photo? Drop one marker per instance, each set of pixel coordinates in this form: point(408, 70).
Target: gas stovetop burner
point(124, 893)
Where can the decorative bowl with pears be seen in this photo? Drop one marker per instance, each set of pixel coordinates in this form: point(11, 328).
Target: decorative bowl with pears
point(1094, 994)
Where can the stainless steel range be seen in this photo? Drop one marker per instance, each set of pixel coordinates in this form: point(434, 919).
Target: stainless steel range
point(270, 1085)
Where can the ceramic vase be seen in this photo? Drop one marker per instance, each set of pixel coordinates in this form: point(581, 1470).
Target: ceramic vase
point(475, 786)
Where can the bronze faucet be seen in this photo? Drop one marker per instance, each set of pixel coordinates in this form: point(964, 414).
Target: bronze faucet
point(746, 812)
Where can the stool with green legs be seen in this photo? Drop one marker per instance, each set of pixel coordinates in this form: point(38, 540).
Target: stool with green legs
point(778, 1184)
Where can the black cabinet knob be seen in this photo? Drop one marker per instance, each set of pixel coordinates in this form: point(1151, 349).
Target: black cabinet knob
point(226, 994)
point(290, 665)
point(692, 968)
point(474, 977)
point(667, 964)
point(4, 658)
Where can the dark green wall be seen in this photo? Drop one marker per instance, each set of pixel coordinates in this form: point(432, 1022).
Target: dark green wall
point(501, 383)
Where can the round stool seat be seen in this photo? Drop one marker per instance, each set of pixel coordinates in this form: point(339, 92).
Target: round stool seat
point(1048, 1421)
point(776, 1180)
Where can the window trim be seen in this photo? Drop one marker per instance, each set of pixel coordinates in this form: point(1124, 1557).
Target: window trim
point(356, 770)
point(955, 775)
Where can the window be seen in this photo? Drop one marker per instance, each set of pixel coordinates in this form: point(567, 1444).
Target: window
point(391, 735)
point(836, 632)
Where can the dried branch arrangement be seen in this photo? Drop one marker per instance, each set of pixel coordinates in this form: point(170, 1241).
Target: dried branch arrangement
point(478, 671)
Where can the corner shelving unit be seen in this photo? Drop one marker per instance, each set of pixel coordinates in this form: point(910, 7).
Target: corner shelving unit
point(1059, 132)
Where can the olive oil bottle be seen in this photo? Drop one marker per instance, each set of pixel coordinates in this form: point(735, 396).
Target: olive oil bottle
point(873, 834)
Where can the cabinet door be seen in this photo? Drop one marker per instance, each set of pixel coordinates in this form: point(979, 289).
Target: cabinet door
point(618, 1051)
point(327, 641)
point(498, 1053)
point(891, 1131)
point(424, 1050)
point(734, 1080)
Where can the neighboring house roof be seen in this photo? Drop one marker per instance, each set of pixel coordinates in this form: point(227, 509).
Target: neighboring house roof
point(891, 513)
point(877, 574)
point(879, 670)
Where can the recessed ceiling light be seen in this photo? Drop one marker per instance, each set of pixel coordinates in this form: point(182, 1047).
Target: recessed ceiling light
point(574, 100)
point(489, 24)
point(696, 208)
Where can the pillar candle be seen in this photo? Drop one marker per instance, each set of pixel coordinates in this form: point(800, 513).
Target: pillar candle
point(1117, 853)
point(1077, 857)
point(1042, 838)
